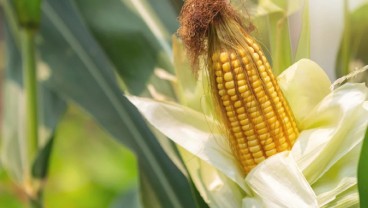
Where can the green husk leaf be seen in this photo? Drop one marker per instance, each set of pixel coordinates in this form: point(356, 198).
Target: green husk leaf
point(272, 19)
point(353, 48)
point(280, 42)
point(344, 56)
point(362, 173)
point(303, 48)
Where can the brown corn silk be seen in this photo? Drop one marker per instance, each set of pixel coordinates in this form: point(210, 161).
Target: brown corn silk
point(251, 106)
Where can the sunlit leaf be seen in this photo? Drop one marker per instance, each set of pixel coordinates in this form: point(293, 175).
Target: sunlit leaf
point(298, 83)
point(192, 131)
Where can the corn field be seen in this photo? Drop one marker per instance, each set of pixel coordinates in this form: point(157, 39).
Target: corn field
point(172, 103)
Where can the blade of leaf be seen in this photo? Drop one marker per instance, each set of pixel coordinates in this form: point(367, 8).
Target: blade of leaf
point(151, 19)
point(122, 34)
point(52, 108)
point(82, 72)
point(362, 173)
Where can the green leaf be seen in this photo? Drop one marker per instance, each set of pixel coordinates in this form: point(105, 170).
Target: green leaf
point(127, 38)
point(82, 72)
point(41, 163)
point(362, 173)
point(52, 108)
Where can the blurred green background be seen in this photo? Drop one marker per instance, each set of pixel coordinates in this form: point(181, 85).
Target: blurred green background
point(76, 179)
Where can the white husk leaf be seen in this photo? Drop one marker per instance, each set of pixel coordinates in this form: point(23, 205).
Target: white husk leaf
point(320, 170)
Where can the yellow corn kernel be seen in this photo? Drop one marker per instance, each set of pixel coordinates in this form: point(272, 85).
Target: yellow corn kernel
point(259, 160)
point(242, 89)
point(229, 84)
point(234, 98)
point(224, 57)
point(235, 64)
point(226, 67)
point(254, 110)
point(240, 110)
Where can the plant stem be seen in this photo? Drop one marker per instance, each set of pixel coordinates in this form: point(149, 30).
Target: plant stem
point(30, 86)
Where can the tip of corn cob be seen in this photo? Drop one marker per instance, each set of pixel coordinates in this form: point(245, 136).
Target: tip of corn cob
point(196, 18)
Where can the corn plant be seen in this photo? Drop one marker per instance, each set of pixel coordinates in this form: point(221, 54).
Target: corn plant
point(124, 63)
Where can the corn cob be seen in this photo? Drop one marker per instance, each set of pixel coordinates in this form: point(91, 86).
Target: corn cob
point(255, 113)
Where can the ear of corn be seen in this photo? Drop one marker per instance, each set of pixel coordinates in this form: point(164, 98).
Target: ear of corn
point(251, 105)
point(255, 113)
